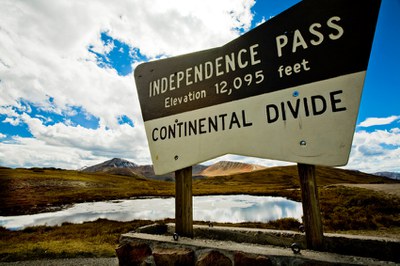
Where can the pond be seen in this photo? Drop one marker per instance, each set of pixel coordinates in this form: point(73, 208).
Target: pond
point(220, 208)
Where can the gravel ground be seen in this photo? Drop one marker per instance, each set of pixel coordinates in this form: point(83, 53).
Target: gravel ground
point(65, 262)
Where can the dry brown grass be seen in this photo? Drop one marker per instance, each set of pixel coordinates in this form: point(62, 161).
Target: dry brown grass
point(35, 190)
point(92, 239)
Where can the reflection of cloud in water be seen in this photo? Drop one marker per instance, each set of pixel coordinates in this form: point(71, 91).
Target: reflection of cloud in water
point(244, 208)
point(237, 208)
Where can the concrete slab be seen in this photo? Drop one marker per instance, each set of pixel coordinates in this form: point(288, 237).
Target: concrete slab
point(229, 240)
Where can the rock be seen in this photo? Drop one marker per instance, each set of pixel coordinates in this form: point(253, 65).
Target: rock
point(133, 253)
point(173, 256)
point(242, 259)
point(213, 257)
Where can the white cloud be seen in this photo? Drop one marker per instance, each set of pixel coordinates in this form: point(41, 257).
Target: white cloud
point(12, 121)
point(2, 136)
point(44, 55)
point(375, 121)
point(70, 147)
point(376, 151)
point(45, 44)
point(30, 152)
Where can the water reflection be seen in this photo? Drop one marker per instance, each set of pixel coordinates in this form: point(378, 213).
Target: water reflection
point(244, 208)
point(227, 208)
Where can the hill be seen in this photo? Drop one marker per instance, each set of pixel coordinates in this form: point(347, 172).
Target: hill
point(25, 191)
point(237, 170)
point(119, 166)
point(42, 189)
point(113, 163)
point(391, 175)
point(228, 168)
point(284, 179)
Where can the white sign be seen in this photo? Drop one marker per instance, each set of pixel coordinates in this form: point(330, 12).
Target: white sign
point(287, 90)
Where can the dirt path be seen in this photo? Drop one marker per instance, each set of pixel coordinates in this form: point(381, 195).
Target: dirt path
point(393, 189)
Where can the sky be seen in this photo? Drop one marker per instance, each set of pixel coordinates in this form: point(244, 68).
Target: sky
point(68, 97)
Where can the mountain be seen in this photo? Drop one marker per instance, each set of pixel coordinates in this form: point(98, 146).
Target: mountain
point(283, 177)
point(391, 175)
point(148, 171)
point(119, 166)
point(228, 168)
point(197, 170)
point(111, 164)
point(123, 167)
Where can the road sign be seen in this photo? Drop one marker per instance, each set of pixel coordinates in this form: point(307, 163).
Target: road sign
point(287, 90)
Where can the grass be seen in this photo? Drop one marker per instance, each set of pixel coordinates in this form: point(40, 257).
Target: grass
point(344, 209)
point(26, 191)
point(92, 239)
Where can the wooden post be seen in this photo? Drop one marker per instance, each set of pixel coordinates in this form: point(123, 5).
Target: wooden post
point(310, 202)
point(183, 202)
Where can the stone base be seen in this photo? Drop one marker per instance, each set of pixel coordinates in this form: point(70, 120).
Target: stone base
point(236, 246)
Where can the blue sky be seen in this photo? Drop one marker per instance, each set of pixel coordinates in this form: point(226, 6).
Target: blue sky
point(68, 97)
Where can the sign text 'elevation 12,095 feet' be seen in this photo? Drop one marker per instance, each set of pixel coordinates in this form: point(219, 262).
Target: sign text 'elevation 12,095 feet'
point(287, 90)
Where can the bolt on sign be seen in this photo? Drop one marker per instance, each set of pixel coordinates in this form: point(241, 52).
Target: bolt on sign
point(288, 90)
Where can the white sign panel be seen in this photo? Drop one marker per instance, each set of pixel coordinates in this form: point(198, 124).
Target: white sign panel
point(287, 90)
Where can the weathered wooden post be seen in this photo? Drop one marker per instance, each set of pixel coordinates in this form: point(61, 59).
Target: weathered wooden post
point(183, 202)
point(311, 210)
